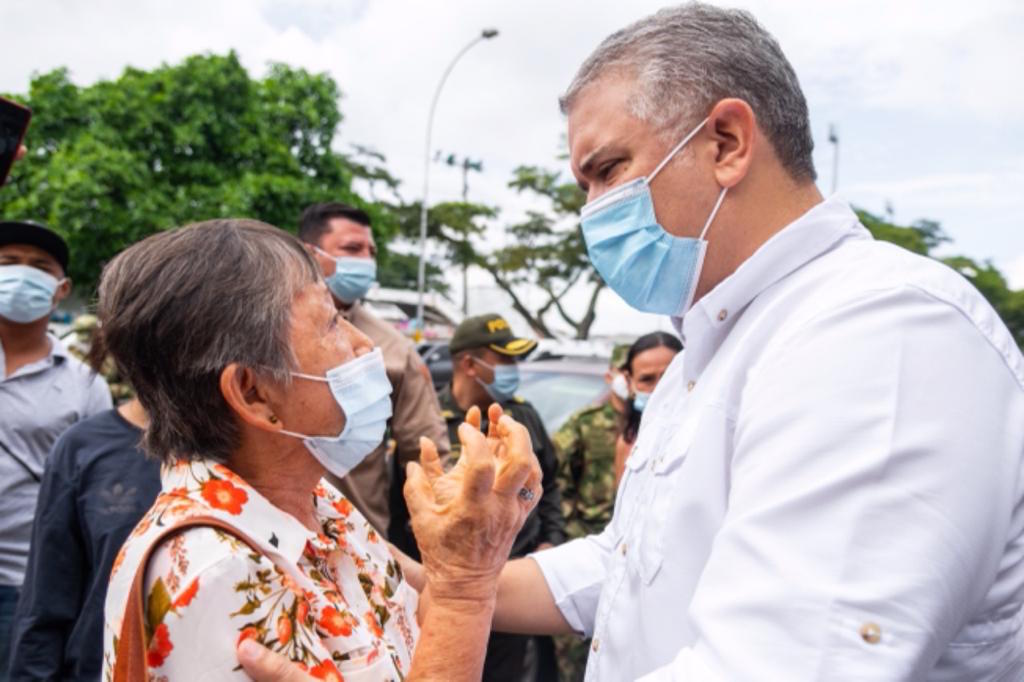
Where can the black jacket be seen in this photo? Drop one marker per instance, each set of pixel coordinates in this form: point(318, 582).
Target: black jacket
point(96, 487)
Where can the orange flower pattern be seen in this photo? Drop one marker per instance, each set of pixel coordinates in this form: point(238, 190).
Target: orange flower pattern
point(334, 601)
point(222, 494)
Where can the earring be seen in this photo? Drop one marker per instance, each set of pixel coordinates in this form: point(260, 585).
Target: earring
point(273, 418)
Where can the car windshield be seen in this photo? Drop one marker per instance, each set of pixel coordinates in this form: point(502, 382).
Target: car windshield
point(556, 395)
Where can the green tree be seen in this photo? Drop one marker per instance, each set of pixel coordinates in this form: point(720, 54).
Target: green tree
point(116, 161)
point(547, 252)
point(450, 227)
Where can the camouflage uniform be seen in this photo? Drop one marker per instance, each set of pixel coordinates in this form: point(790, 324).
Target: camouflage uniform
point(585, 446)
point(586, 473)
point(78, 341)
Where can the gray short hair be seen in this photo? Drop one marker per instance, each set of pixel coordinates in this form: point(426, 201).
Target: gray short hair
point(687, 58)
point(180, 306)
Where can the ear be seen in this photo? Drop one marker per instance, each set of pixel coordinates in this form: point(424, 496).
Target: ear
point(466, 364)
point(249, 397)
point(733, 127)
point(63, 290)
point(608, 377)
point(327, 265)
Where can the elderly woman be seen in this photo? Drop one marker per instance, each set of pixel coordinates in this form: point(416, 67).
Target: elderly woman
point(255, 387)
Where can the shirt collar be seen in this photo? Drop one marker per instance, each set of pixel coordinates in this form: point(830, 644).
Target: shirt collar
point(222, 493)
point(706, 324)
point(58, 355)
point(58, 351)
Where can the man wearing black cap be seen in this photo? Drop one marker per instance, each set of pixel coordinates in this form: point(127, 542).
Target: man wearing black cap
point(484, 355)
point(43, 390)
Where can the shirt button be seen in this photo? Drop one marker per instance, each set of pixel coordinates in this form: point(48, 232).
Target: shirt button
point(595, 645)
point(690, 386)
point(722, 314)
point(871, 633)
point(622, 549)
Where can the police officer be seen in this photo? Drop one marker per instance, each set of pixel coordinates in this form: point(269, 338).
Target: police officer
point(484, 356)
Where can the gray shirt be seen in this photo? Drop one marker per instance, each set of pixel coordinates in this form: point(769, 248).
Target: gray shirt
point(37, 403)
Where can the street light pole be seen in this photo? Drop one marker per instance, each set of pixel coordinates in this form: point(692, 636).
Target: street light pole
point(486, 34)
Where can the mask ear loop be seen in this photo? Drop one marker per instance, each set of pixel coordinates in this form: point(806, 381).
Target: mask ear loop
point(675, 150)
point(714, 212)
point(311, 377)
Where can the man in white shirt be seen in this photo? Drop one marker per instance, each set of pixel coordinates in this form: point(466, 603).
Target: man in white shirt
point(827, 483)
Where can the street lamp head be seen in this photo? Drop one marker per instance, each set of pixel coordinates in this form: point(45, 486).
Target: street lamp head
point(489, 33)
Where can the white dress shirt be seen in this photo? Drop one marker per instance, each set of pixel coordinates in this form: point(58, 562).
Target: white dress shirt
point(827, 483)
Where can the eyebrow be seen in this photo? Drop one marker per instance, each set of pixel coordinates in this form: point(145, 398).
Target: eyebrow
point(588, 160)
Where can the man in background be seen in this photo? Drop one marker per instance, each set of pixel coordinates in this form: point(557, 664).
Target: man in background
point(341, 240)
point(96, 487)
point(43, 391)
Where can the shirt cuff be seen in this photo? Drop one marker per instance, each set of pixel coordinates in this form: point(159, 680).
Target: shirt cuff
point(575, 573)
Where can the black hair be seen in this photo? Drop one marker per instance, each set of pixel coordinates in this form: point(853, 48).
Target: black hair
point(313, 223)
point(631, 423)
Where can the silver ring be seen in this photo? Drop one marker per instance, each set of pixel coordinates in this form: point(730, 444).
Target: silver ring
point(526, 494)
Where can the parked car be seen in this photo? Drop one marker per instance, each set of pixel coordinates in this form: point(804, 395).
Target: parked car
point(557, 388)
point(438, 360)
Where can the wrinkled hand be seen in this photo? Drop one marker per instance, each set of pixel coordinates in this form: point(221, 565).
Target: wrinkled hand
point(447, 486)
point(466, 520)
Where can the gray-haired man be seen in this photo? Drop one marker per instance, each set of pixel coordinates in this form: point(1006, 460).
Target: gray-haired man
point(827, 483)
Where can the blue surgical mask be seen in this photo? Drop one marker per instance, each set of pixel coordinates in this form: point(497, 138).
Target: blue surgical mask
point(26, 293)
point(506, 381)
point(649, 268)
point(640, 400)
point(363, 392)
point(352, 277)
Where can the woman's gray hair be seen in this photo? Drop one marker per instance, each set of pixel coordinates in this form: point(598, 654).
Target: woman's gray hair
point(177, 308)
point(685, 59)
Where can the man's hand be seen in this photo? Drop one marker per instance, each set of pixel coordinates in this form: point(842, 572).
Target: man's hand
point(264, 665)
point(466, 520)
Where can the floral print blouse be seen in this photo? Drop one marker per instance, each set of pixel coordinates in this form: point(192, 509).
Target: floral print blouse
point(334, 601)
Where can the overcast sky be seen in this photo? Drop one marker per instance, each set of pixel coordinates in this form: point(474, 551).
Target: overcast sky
point(927, 95)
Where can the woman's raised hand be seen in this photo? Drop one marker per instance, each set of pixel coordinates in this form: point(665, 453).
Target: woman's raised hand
point(466, 520)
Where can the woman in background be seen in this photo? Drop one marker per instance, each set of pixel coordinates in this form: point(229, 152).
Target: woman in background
point(646, 362)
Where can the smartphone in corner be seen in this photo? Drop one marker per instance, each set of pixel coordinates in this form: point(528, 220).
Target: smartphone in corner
point(14, 120)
